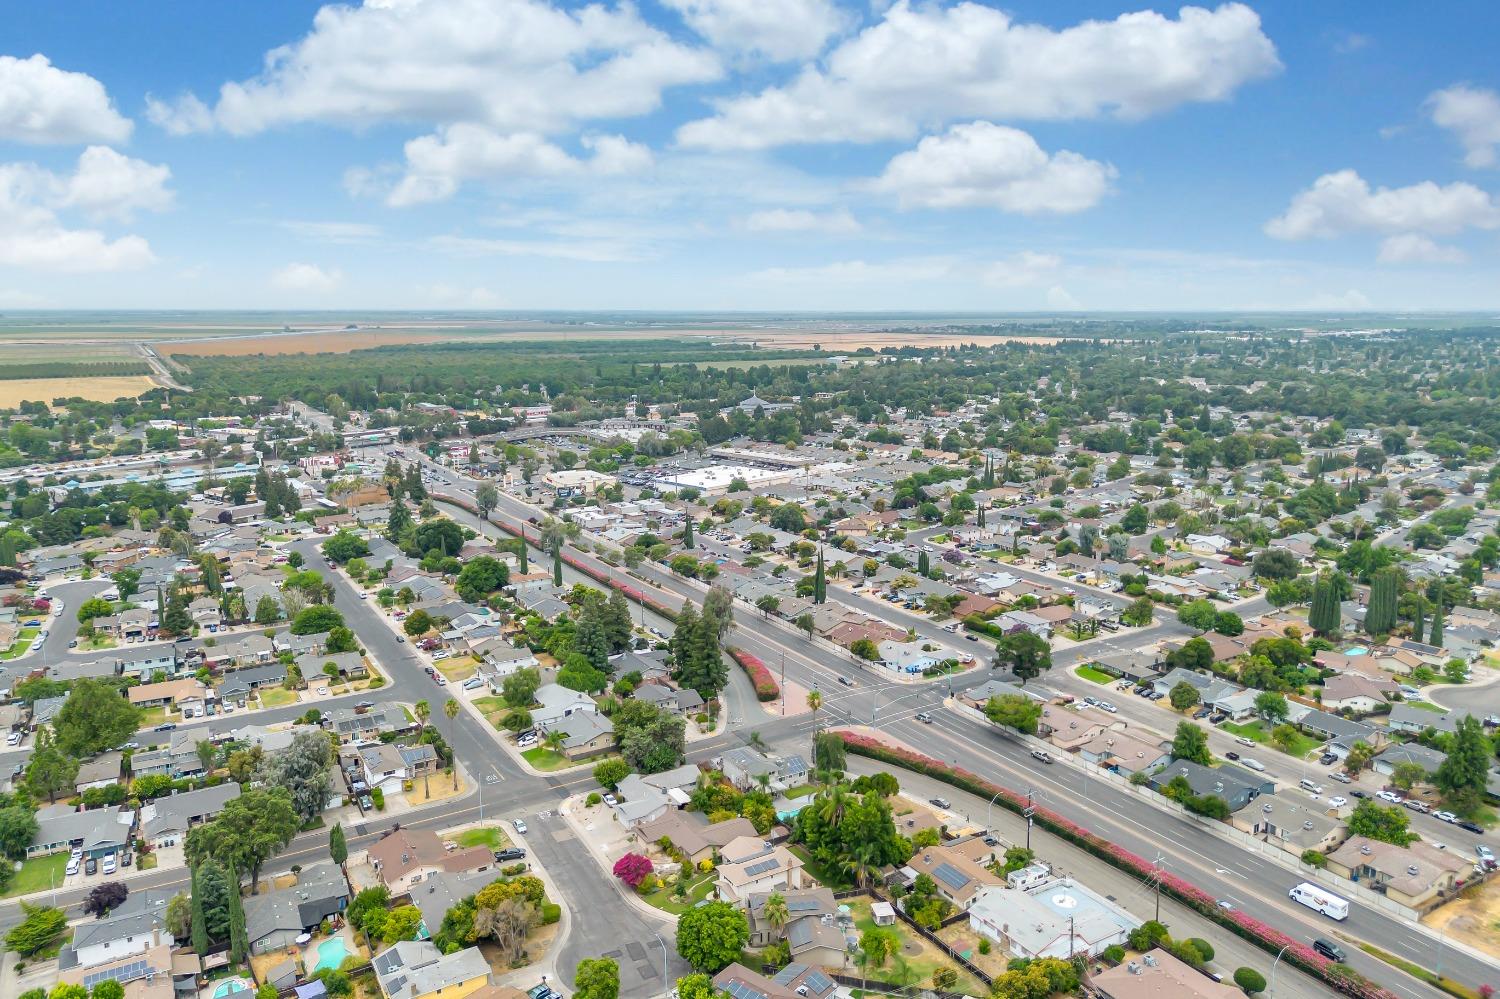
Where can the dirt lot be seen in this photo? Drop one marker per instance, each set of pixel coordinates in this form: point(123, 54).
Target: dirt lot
point(1473, 917)
point(15, 391)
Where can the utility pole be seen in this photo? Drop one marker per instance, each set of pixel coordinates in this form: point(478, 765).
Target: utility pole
point(1028, 813)
point(1157, 917)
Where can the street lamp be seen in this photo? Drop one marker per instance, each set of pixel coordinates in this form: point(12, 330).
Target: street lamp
point(1272, 993)
point(665, 988)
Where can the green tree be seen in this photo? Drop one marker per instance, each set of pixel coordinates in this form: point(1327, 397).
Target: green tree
point(343, 546)
point(402, 923)
point(18, 826)
point(1026, 653)
point(1462, 775)
point(519, 688)
point(1139, 614)
point(696, 986)
point(1435, 635)
point(50, 772)
point(267, 610)
point(596, 978)
point(1249, 980)
point(94, 718)
point(1183, 695)
point(316, 620)
point(610, 772)
point(1271, 706)
point(199, 922)
point(338, 848)
point(1324, 616)
point(1377, 822)
point(486, 498)
point(39, 927)
point(1015, 711)
point(238, 942)
point(249, 831)
point(820, 581)
point(94, 607)
point(1380, 614)
point(1284, 737)
point(417, 623)
point(1135, 521)
point(1198, 614)
point(710, 936)
point(1191, 743)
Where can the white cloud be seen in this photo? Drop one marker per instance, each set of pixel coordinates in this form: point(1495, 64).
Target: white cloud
point(1411, 247)
point(108, 184)
point(589, 250)
point(105, 185)
point(437, 164)
point(981, 164)
point(1343, 202)
point(1473, 114)
point(801, 220)
point(42, 104)
point(1023, 269)
point(1059, 297)
point(858, 272)
point(775, 29)
point(926, 64)
point(306, 277)
point(515, 65)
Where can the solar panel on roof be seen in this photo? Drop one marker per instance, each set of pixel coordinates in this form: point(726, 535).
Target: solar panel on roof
point(124, 973)
point(762, 867)
point(739, 990)
point(950, 876)
point(788, 973)
point(802, 905)
point(818, 982)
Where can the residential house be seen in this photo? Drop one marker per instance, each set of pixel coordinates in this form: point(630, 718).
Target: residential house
point(1293, 825)
point(1414, 720)
point(584, 734)
point(958, 878)
point(748, 866)
point(1356, 693)
point(1414, 875)
point(416, 969)
point(439, 892)
point(1411, 752)
point(105, 941)
point(406, 856)
point(388, 766)
point(1123, 752)
point(557, 702)
point(238, 686)
point(153, 973)
point(807, 903)
point(189, 696)
point(1159, 975)
point(165, 821)
point(644, 799)
point(99, 831)
point(348, 665)
point(1237, 786)
point(275, 919)
point(101, 771)
point(795, 981)
point(697, 839)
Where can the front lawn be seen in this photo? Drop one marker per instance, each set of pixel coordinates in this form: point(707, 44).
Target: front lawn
point(493, 708)
point(457, 667)
point(38, 874)
point(1255, 731)
point(544, 759)
point(276, 697)
point(801, 791)
point(153, 716)
point(666, 899)
point(1258, 732)
point(1094, 675)
point(1426, 706)
point(22, 643)
point(489, 836)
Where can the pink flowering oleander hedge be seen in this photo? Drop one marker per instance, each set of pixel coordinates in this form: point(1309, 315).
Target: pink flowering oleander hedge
point(631, 593)
point(1257, 932)
point(766, 687)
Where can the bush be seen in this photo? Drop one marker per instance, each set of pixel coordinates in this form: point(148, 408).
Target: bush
point(984, 945)
point(766, 687)
point(1250, 980)
point(1204, 947)
point(594, 798)
point(551, 913)
point(377, 795)
point(1114, 953)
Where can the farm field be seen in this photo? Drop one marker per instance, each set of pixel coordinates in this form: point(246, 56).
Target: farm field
point(15, 391)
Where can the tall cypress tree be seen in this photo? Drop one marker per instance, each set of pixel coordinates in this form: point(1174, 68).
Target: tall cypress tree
point(557, 565)
point(1380, 615)
point(1323, 616)
point(238, 939)
point(924, 565)
point(199, 924)
point(687, 531)
point(7, 551)
point(1416, 620)
point(820, 583)
point(338, 848)
point(1435, 637)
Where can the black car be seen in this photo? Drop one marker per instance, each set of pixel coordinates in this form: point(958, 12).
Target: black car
point(1231, 755)
point(1473, 827)
point(1329, 949)
point(509, 853)
point(1357, 793)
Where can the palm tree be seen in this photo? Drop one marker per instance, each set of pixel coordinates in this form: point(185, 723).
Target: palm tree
point(814, 702)
point(450, 708)
point(832, 803)
point(775, 913)
point(423, 712)
point(555, 741)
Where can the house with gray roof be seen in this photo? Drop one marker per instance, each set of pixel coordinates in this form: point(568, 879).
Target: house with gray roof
point(584, 734)
point(1408, 718)
point(99, 831)
point(1238, 787)
point(275, 919)
point(166, 820)
point(439, 892)
point(413, 969)
point(1410, 752)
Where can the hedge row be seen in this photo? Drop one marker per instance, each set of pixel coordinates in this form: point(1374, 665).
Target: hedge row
point(766, 687)
point(1272, 940)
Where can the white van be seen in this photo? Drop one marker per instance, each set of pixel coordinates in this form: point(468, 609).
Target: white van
point(1253, 764)
point(1321, 900)
point(1309, 786)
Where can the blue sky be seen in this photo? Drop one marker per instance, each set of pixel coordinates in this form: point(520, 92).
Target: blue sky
point(750, 154)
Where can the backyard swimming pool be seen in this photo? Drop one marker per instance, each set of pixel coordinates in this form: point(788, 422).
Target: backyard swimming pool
point(1356, 650)
point(331, 953)
point(229, 987)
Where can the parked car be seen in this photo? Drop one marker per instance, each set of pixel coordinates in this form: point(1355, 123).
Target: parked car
point(1337, 801)
point(1341, 777)
point(91, 866)
point(940, 803)
point(473, 683)
point(1328, 759)
point(1252, 763)
point(509, 853)
point(1448, 817)
point(1473, 827)
point(1357, 793)
point(520, 825)
point(1417, 806)
point(73, 864)
point(1390, 796)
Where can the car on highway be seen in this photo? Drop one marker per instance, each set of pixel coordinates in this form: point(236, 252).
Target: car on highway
point(1041, 756)
point(923, 717)
point(400, 639)
point(1226, 906)
point(520, 825)
point(942, 803)
point(1231, 755)
point(1329, 949)
point(1246, 742)
point(846, 681)
point(1341, 777)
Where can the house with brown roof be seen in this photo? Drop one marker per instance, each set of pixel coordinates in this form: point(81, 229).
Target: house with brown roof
point(187, 695)
point(406, 856)
point(696, 839)
point(1353, 692)
point(958, 877)
point(1159, 975)
point(1414, 875)
point(749, 867)
point(846, 633)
